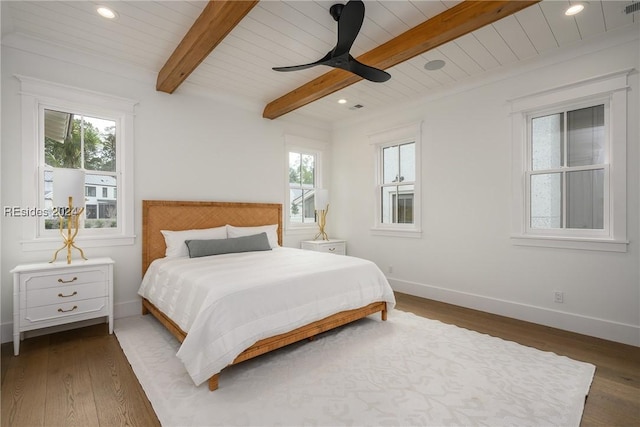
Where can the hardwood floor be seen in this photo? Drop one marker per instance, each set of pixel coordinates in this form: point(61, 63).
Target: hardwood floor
point(73, 378)
point(82, 378)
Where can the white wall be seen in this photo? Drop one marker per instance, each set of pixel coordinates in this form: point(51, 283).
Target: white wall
point(465, 256)
point(187, 147)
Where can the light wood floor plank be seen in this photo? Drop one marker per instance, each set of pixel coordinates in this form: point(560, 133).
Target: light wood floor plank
point(23, 403)
point(69, 399)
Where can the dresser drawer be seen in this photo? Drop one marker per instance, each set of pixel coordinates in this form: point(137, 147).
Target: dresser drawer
point(338, 248)
point(65, 294)
point(332, 246)
point(63, 278)
point(96, 306)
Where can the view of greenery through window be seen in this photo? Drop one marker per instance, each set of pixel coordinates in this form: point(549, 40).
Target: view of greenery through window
point(75, 141)
point(302, 178)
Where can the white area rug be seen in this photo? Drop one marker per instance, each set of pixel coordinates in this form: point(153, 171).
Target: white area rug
point(406, 371)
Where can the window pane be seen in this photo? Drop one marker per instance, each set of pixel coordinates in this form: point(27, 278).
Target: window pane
point(546, 200)
point(297, 206)
point(99, 137)
point(309, 207)
point(405, 204)
point(308, 170)
point(585, 136)
point(294, 168)
point(397, 204)
point(390, 164)
point(388, 197)
point(101, 206)
point(302, 209)
point(546, 142)
point(585, 199)
point(100, 212)
point(408, 162)
point(62, 148)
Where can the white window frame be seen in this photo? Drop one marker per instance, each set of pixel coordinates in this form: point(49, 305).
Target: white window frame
point(610, 90)
point(38, 95)
point(298, 144)
point(410, 133)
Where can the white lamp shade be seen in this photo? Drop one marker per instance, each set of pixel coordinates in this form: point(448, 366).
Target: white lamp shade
point(68, 183)
point(321, 199)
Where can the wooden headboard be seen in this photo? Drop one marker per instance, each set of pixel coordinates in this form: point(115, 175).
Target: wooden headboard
point(184, 215)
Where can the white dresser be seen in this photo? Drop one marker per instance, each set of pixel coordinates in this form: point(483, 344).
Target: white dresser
point(50, 294)
point(333, 246)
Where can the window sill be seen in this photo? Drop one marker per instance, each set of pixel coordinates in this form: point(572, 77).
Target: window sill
point(396, 232)
point(50, 243)
point(588, 244)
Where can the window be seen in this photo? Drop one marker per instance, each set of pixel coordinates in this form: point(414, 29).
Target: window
point(72, 140)
point(568, 170)
point(304, 176)
point(397, 184)
point(66, 127)
point(570, 188)
point(302, 185)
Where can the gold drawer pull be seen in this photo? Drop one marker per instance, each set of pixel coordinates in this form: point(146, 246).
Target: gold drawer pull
point(67, 281)
point(65, 311)
point(67, 296)
point(332, 249)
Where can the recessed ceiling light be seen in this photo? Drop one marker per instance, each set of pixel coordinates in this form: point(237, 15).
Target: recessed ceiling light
point(342, 101)
point(436, 64)
point(105, 12)
point(574, 10)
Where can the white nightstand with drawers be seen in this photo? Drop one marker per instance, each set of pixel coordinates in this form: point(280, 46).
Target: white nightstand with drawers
point(332, 246)
point(51, 294)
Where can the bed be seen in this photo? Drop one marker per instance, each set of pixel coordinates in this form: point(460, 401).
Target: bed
point(306, 312)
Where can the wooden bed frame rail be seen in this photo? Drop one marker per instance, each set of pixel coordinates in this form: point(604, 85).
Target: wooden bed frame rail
point(273, 343)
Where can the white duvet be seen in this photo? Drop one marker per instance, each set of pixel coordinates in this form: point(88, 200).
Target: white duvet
point(228, 302)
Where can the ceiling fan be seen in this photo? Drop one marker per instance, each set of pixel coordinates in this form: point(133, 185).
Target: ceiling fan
point(349, 17)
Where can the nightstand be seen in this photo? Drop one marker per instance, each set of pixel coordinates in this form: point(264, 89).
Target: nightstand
point(51, 294)
point(332, 246)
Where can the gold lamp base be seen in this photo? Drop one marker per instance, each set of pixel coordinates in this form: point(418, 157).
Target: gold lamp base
point(322, 222)
point(71, 232)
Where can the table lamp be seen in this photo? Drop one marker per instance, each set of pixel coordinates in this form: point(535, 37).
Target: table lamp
point(321, 200)
point(68, 202)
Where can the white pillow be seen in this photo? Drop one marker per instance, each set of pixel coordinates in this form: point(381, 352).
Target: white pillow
point(271, 230)
point(175, 239)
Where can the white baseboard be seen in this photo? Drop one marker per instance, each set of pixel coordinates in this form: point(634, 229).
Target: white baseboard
point(600, 328)
point(605, 329)
point(123, 309)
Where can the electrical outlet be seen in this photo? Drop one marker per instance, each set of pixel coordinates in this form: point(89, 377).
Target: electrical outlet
point(558, 296)
point(390, 269)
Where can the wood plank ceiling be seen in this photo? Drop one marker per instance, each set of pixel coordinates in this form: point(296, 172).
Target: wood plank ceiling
point(280, 33)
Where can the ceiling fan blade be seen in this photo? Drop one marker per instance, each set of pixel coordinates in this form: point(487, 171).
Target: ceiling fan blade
point(320, 61)
point(349, 24)
point(295, 67)
point(367, 72)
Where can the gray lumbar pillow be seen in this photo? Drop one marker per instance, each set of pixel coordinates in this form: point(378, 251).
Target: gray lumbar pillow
point(255, 242)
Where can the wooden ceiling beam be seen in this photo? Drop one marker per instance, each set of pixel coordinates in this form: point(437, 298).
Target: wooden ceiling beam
point(217, 19)
point(455, 22)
